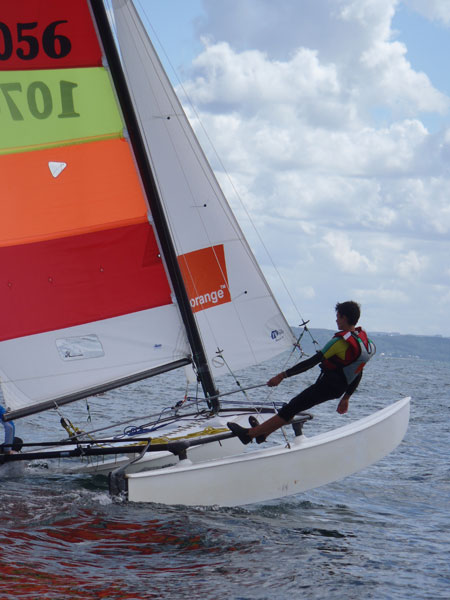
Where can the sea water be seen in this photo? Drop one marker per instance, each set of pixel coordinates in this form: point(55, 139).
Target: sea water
point(382, 533)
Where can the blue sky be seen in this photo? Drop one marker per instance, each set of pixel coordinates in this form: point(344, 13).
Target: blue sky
point(173, 22)
point(428, 44)
point(344, 158)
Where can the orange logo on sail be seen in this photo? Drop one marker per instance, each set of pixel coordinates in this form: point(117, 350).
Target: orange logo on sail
point(205, 276)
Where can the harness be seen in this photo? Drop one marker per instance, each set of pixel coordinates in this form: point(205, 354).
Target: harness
point(360, 350)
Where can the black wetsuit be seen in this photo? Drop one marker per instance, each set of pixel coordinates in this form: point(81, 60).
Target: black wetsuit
point(329, 385)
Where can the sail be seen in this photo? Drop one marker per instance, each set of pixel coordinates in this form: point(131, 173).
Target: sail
point(234, 308)
point(85, 302)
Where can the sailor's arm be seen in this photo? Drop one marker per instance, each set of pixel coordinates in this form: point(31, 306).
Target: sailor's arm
point(342, 407)
point(300, 367)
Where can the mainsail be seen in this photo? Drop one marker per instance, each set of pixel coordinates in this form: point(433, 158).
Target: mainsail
point(89, 298)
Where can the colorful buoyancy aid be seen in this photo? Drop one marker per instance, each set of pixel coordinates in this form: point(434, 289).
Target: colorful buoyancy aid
point(360, 351)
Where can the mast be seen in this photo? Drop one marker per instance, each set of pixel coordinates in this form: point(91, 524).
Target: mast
point(157, 209)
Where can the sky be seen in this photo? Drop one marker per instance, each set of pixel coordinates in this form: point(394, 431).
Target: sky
point(331, 121)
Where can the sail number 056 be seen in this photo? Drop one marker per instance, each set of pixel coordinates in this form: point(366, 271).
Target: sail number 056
point(53, 44)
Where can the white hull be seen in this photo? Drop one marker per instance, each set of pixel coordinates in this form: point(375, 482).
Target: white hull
point(278, 471)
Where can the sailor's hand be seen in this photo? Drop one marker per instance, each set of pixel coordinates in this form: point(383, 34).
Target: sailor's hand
point(276, 379)
point(343, 405)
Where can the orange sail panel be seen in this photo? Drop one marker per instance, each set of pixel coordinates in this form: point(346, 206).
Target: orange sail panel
point(79, 279)
point(69, 190)
point(205, 276)
point(50, 34)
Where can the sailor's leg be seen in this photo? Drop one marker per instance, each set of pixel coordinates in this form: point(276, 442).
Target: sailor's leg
point(9, 435)
point(325, 388)
point(260, 432)
point(299, 403)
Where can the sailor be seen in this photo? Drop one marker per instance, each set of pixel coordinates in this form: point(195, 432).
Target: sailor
point(12, 444)
point(341, 361)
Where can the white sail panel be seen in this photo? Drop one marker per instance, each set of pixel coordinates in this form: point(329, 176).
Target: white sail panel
point(41, 367)
point(198, 214)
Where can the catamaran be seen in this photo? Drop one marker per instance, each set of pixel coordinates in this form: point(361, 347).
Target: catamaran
point(122, 260)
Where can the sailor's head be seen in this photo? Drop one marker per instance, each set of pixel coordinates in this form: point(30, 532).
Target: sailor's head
point(350, 310)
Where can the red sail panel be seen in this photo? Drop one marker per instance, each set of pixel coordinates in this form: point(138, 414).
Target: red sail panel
point(47, 34)
point(75, 280)
point(69, 190)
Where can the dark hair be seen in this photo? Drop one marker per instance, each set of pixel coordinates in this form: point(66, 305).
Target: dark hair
point(349, 309)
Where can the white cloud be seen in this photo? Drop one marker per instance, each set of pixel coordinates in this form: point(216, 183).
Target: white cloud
point(443, 295)
point(396, 84)
point(410, 265)
point(318, 117)
point(249, 81)
point(383, 295)
point(345, 256)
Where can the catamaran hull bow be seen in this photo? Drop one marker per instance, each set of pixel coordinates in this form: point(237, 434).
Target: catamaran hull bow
point(279, 471)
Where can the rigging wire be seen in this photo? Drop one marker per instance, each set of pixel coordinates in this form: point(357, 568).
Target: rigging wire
point(154, 418)
point(237, 382)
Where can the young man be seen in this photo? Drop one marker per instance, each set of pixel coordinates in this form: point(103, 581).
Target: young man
point(341, 361)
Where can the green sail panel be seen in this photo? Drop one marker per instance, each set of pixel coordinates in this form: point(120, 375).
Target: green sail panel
point(43, 108)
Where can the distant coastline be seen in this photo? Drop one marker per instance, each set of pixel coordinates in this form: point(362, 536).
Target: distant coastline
point(390, 344)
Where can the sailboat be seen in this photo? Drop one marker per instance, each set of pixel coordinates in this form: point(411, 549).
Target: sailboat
point(122, 260)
